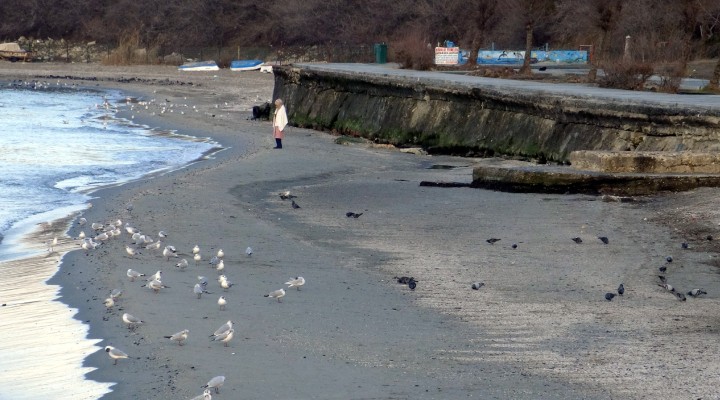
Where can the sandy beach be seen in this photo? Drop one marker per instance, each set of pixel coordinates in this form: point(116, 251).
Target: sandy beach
point(540, 327)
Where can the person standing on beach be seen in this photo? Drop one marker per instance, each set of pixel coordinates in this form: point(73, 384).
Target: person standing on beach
point(279, 122)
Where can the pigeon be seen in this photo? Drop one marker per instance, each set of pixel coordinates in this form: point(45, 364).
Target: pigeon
point(604, 239)
point(662, 278)
point(696, 292)
point(684, 245)
point(412, 284)
point(215, 383)
point(179, 337)
point(609, 296)
point(492, 240)
point(514, 246)
point(577, 240)
point(668, 259)
point(621, 289)
point(667, 286)
point(477, 285)
point(662, 269)
point(286, 195)
point(350, 214)
point(276, 294)
point(680, 296)
point(709, 237)
point(403, 279)
point(115, 354)
point(295, 205)
point(295, 282)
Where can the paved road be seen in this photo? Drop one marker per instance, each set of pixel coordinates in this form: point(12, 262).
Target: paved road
point(701, 102)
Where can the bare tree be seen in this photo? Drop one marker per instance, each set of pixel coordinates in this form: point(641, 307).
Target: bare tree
point(531, 12)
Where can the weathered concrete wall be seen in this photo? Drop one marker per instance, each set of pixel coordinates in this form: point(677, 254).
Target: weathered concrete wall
point(445, 118)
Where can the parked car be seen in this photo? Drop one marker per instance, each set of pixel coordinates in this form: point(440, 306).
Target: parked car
point(13, 52)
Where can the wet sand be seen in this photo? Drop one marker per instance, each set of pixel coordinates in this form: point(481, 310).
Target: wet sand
point(539, 328)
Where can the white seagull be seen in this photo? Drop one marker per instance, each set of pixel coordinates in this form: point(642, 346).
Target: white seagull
point(220, 253)
point(215, 383)
point(179, 337)
point(115, 354)
point(295, 282)
point(277, 294)
point(131, 321)
point(182, 264)
point(249, 251)
point(225, 337)
point(132, 274)
point(222, 302)
point(223, 328)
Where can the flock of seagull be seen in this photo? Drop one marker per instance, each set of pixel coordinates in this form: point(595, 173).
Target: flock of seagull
point(103, 232)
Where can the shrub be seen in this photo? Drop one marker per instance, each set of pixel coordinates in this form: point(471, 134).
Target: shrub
point(628, 75)
point(413, 51)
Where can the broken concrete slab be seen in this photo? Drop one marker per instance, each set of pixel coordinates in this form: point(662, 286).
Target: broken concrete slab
point(648, 162)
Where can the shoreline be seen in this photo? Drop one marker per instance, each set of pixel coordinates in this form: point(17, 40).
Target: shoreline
point(541, 329)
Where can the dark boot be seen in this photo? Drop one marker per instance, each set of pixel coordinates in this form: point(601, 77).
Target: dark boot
point(278, 144)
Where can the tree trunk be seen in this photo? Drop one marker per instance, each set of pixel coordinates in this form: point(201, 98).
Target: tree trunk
point(474, 50)
point(525, 70)
point(715, 80)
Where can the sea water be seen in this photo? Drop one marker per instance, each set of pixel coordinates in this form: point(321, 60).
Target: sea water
point(57, 144)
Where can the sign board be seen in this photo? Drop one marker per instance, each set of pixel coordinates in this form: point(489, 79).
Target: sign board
point(447, 55)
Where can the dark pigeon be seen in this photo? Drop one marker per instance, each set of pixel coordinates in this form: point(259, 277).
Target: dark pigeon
point(685, 246)
point(696, 292)
point(609, 296)
point(412, 284)
point(709, 237)
point(604, 239)
point(662, 269)
point(404, 279)
point(680, 296)
point(621, 289)
point(662, 278)
point(514, 246)
point(477, 285)
point(294, 204)
point(357, 215)
point(668, 259)
point(492, 240)
point(349, 214)
point(577, 240)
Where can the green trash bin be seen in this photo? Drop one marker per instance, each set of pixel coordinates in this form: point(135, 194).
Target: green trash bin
point(380, 53)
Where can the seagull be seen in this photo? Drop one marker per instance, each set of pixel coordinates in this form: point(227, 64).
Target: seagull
point(222, 302)
point(295, 205)
point(130, 230)
point(224, 337)
point(214, 261)
point(179, 337)
point(696, 292)
point(198, 289)
point(203, 281)
point(223, 328)
point(609, 296)
point(249, 251)
point(96, 226)
point(224, 283)
point(295, 282)
point(157, 276)
point(277, 294)
point(215, 383)
point(132, 274)
point(81, 235)
point(206, 395)
point(604, 239)
point(131, 321)
point(130, 250)
point(53, 243)
point(197, 258)
point(82, 221)
point(115, 354)
point(492, 240)
point(182, 264)
point(577, 240)
point(220, 253)
point(196, 249)
point(116, 293)
point(156, 285)
point(169, 251)
point(220, 266)
point(154, 246)
point(109, 302)
point(162, 234)
point(621, 289)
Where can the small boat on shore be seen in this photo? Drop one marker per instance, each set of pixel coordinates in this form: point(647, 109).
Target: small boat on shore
point(13, 52)
point(200, 66)
point(245, 65)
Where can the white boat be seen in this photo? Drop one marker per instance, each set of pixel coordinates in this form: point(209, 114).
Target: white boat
point(245, 65)
point(200, 66)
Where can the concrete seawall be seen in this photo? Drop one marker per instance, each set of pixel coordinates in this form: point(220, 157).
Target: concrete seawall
point(464, 115)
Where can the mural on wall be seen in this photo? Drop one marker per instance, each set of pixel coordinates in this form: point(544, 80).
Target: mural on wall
point(516, 57)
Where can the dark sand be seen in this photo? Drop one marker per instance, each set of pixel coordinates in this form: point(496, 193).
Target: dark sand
point(539, 328)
